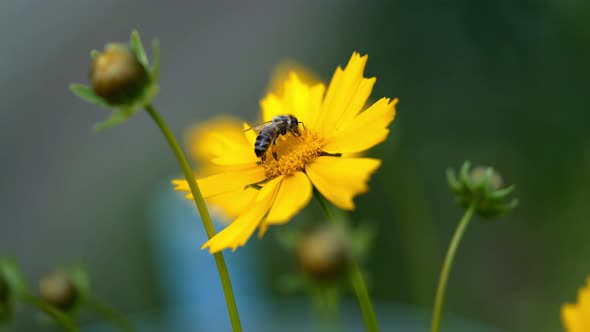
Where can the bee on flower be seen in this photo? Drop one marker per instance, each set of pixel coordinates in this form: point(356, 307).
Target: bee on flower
point(314, 135)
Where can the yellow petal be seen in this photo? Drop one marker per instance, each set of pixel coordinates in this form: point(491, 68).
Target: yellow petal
point(239, 231)
point(576, 317)
point(220, 141)
point(293, 195)
point(223, 183)
point(230, 205)
point(299, 99)
point(366, 130)
point(271, 106)
point(347, 93)
point(281, 74)
point(340, 179)
point(572, 321)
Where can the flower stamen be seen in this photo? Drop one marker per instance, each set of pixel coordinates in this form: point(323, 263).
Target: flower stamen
point(293, 153)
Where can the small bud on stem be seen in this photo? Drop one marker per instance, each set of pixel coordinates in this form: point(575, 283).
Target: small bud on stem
point(323, 254)
point(482, 186)
point(59, 290)
point(117, 75)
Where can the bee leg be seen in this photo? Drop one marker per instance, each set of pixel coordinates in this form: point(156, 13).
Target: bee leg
point(263, 158)
point(327, 154)
point(274, 153)
point(272, 149)
point(256, 185)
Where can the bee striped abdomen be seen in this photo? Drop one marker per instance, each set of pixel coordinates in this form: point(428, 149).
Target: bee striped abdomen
point(263, 141)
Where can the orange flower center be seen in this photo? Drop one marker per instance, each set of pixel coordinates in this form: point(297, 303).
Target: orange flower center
point(293, 153)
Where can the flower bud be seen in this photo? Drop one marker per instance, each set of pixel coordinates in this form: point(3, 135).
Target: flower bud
point(482, 186)
point(59, 290)
point(323, 253)
point(117, 76)
point(479, 175)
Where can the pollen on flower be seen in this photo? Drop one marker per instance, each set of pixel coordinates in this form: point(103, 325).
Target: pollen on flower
point(293, 153)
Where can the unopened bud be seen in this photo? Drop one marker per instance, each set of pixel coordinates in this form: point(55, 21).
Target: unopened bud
point(117, 75)
point(323, 254)
point(482, 187)
point(479, 174)
point(58, 290)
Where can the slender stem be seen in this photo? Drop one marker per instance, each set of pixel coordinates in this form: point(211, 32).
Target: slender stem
point(200, 202)
point(356, 276)
point(448, 263)
point(60, 318)
point(110, 314)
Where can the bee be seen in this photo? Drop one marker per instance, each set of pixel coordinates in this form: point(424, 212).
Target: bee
point(269, 131)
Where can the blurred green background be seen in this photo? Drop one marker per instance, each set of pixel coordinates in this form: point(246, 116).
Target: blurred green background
point(503, 83)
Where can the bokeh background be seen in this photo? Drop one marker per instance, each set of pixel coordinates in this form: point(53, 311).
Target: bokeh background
point(502, 82)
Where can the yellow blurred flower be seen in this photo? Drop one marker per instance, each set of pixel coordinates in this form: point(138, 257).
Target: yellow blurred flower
point(576, 317)
point(336, 127)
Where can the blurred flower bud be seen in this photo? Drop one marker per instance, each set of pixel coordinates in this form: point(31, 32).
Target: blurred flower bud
point(59, 290)
point(117, 75)
point(323, 253)
point(482, 186)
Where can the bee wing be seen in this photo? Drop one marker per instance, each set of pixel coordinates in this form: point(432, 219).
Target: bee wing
point(259, 127)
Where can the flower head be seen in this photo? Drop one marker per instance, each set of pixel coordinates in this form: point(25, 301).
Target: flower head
point(576, 317)
point(333, 126)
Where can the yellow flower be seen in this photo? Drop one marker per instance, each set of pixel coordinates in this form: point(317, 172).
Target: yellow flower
point(576, 317)
point(336, 128)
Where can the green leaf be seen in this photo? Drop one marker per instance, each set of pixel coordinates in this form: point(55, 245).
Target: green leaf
point(117, 117)
point(137, 47)
point(84, 92)
point(452, 180)
point(156, 59)
point(11, 273)
point(94, 54)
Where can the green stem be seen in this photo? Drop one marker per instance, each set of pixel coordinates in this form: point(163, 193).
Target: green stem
point(448, 263)
point(200, 202)
point(356, 276)
point(60, 318)
point(110, 314)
